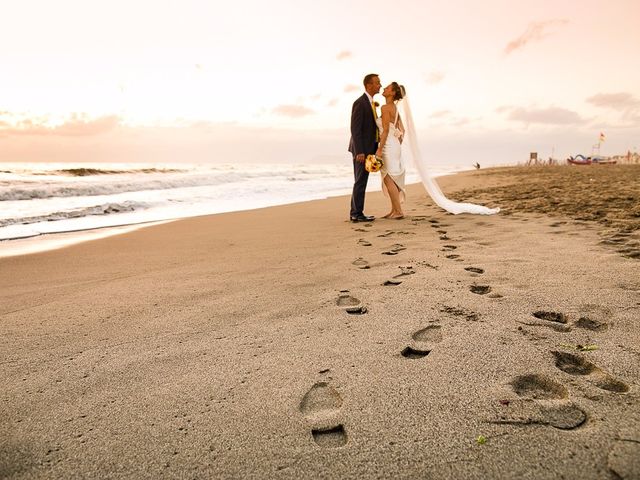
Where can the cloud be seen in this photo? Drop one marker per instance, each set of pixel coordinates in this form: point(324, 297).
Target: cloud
point(616, 101)
point(344, 54)
point(332, 103)
point(78, 125)
point(434, 78)
point(548, 116)
point(534, 32)
point(292, 111)
point(623, 102)
point(351, 88)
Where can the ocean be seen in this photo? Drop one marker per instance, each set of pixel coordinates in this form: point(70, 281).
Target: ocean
point(38, 199)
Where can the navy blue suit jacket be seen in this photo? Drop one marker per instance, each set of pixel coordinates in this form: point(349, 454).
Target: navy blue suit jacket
point(363, 128)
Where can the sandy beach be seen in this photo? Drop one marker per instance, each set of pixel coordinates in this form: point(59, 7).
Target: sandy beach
point(288, 342)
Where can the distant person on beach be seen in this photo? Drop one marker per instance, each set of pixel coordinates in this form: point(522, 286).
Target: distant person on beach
point(477, 165)
point(364, 141)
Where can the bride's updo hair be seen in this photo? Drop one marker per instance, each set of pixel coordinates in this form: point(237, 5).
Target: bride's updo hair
point(398, 90)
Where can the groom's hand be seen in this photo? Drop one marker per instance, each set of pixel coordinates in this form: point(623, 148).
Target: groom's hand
point(360, 157)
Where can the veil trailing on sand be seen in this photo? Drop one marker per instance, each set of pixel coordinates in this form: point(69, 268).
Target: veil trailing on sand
point(428, 180)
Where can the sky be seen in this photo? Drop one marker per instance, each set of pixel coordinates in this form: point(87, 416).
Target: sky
point(246, 81)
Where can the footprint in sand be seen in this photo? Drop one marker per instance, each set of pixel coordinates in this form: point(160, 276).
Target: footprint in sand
point(480, 289)
point(424, 339)
point(577, 365)
point(453, 256)
point(361, 263)
point(477, 270)
point(550, 316)
point(414, 353)
point(590, 324)
point(395, 248)
point(350, 304)
point(541, 401)
point(538, 387)
point(320, 405)
point(430, 334)
point(468, 315)
point(405, 271)
point(448, 248)
point(555, 320)
point(389, 232)
point(321, 399)
point(362, 242)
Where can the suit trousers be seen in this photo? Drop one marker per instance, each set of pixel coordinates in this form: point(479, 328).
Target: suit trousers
point(361, 176)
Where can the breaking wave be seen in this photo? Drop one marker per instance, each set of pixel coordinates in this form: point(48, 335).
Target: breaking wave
point(105, 209)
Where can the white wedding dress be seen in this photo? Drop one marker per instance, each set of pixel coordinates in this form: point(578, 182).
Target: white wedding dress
point(392, 163)
point(427, 178)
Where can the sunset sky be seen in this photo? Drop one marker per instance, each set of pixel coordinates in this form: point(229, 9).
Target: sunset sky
point(226, 81)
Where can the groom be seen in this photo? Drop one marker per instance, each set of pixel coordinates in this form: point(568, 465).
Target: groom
point(364, 141)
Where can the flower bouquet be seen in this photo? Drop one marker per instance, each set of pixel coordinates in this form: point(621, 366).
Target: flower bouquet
point(372, 163)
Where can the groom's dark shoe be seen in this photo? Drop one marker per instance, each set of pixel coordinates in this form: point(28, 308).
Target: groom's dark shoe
point(363, 218)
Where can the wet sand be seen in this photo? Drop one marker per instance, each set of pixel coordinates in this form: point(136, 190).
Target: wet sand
point(289, 343)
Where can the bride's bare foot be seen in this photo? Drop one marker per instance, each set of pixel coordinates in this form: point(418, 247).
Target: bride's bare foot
point(387, 215)
point(396, 216)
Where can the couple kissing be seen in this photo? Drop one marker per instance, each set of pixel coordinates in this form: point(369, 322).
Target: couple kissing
point(378, 134)
point(382, 134)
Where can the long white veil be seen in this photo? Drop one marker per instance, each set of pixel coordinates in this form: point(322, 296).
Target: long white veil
point(428, 180)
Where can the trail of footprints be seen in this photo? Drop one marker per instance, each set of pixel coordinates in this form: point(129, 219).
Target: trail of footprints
point(396, 248)
point(322, 403)
point(448, 249)
point(540, 399)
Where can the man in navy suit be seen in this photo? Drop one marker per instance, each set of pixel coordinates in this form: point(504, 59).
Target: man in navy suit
point(364, 141)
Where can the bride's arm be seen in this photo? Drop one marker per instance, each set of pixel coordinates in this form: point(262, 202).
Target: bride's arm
point(386, 120)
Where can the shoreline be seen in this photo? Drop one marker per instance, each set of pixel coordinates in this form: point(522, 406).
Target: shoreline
point(55, 238)
point(495, 189)
point(44, 242)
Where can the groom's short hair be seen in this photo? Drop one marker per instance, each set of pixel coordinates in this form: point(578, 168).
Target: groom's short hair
point(369, 78)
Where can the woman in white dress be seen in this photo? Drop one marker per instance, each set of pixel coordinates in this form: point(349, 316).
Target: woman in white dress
point(391, 135)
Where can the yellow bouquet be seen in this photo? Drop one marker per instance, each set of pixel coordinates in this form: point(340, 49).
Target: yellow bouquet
point(372, 163)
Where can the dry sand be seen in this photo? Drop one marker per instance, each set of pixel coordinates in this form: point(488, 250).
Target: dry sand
point(289, 343)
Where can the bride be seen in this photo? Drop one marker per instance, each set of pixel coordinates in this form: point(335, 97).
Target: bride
point(393, 169)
